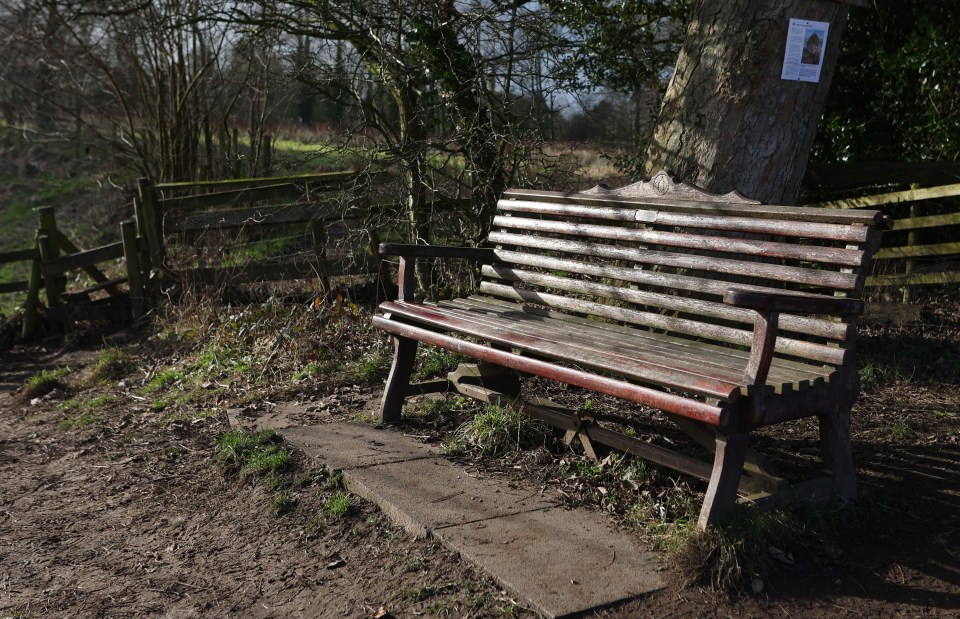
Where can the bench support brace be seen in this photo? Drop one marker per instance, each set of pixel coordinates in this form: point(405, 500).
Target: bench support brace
point(404, 353)
point(731, 450)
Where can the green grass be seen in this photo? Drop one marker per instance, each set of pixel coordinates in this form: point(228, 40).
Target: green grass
point(78, 421)
point(164, 379)
point(43, 383)
point(751, 544)
point(433, 362)
point(338, 506)
point(499, 430)
point(259, 454)
point(111, 364)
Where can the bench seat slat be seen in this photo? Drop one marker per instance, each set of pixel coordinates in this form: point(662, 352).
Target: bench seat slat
point(605, 360)
point(740, 337)
point(791, 367)
point(784, 374)
point(712, 361)
point(779, 273)
point(560, 332)
point(836, 232)
point(640, 394)
point(769, 249)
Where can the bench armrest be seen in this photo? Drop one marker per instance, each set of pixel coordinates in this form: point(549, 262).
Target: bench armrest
point(405, 277)
point(791, 303)
point(768, 306)
point(436, 251)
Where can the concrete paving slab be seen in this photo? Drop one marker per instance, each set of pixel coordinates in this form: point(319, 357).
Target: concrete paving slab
point(559, 561)
point(351, 446)
point(562, 561)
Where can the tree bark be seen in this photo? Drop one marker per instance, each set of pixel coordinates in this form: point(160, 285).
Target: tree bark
point(728, 121)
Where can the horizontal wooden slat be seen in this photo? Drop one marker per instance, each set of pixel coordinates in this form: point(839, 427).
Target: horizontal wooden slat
point(691, 379)
point(323, 178)
point(21, 255)
point(805, 229)
point(740, 247)
point(810, 326)
point(21, 286)
point(740, 337)
point(929, 221)
point(914, 251)
point(910, 279)
point(737, 354)
point(227, 198)
point(760, 211)
point(725, 363)
point(177, 221)
point(780, 273)
point(83, 259)
point(799, 324)
point(896, 197)
point(601, 384)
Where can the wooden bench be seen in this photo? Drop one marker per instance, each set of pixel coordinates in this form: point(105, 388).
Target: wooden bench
point(725, 314)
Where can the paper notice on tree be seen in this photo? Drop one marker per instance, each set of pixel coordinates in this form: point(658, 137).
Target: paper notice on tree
point(806, 41)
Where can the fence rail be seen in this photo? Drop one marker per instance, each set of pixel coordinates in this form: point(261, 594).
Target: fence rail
point(928, 253)
point(174, 218)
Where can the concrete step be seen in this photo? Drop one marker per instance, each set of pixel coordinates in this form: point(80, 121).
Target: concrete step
point(559, 561)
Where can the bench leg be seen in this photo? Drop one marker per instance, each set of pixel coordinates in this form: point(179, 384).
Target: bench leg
point(731, 450)
point(398, 383)
point(837, 452)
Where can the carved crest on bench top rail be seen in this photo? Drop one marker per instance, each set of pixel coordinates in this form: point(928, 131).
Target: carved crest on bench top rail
point(662, 185)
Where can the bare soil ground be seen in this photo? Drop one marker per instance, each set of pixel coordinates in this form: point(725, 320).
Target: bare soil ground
point(118, 509)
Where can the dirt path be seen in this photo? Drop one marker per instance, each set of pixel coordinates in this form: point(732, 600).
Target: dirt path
point(118, 511)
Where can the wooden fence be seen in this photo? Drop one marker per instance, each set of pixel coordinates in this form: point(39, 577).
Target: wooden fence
point(199, 232)
point(52, 256)
point(924, 247)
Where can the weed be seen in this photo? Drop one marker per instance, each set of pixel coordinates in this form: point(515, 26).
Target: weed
point(903, 430)
point(163, 379)
point(414, 564)
point(418, 594)
point(252, 453)
point(751, 543)
point(499, 430)
point(433, 362)
point(43, 383)
point(371, 366)
point(283, 502)
point(439, 609)
point(77, 422)
point(111, 364)
point(337, 506)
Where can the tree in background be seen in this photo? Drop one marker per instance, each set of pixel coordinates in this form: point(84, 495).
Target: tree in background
point(728, 120)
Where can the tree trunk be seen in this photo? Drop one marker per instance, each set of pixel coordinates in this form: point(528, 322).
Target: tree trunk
point(728, 121)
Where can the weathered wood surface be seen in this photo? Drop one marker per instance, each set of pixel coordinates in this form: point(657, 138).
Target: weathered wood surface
point(180, 213)
point(713, 308)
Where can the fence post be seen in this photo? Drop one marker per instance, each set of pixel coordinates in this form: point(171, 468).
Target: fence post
point(33, 295)
point(319, 233)
point(150, 226)
point(52, 281)
point(913, 238)
point(128, 233)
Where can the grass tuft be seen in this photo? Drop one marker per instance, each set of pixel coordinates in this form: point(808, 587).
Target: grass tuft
point(43, 383)
point(246, 453)
point(500, 430)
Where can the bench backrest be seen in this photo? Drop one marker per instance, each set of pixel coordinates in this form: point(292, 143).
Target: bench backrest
point(664, 263)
